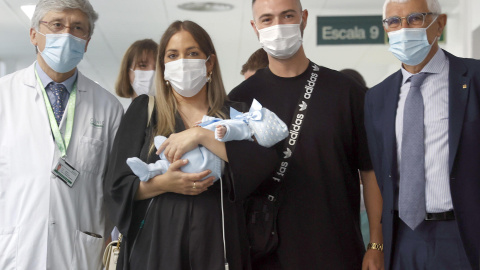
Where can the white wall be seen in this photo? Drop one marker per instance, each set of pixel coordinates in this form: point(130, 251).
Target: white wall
point(476, 43)
point(475, 8)
point(3, 68)
point(475, 21)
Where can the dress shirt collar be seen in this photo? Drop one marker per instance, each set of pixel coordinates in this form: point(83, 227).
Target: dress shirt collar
point(46, 79)
point(435, 65)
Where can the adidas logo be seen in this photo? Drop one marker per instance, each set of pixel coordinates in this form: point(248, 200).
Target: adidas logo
point(310, 84)
point(303, 106)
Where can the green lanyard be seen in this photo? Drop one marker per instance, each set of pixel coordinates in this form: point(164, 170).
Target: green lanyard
point(61, 143)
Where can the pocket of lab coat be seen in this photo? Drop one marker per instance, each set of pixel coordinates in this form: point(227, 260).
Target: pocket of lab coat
point(90, 154)
point(87, 253)
point(8, 247)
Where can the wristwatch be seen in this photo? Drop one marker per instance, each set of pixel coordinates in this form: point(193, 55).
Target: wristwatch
point(375, 246)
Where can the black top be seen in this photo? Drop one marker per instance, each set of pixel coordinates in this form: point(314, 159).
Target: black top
point(180, 231)
point(318, 221)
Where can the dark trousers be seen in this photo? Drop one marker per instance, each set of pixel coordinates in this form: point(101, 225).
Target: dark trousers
point(434, 245)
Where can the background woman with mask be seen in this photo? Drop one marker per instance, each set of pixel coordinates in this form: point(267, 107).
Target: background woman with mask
point(174, 220)
point(136, 75)
point(137, 70)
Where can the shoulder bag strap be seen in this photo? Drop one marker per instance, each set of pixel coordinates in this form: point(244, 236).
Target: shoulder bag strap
point(151, 104)
point(275, 184)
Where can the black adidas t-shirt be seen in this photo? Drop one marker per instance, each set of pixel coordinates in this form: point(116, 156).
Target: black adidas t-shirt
point(319, 219)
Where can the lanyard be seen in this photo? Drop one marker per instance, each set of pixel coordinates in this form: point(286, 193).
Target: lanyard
point(61, 143)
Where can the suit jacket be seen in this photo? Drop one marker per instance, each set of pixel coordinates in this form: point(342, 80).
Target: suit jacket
point(464, 150)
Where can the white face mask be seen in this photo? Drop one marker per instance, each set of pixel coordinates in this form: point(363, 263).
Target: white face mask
point(143, 81)
point(187, 76)
point(281, 41)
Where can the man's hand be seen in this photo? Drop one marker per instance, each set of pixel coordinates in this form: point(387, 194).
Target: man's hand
point(373, 260)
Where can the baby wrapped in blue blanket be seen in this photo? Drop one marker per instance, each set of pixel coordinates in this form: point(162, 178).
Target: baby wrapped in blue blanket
point(259, 123)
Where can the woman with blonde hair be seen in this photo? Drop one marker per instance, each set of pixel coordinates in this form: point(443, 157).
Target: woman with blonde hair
point(175, 220)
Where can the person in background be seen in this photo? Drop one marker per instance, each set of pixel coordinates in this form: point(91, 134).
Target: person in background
point(137, 70)
point(364, 226)
point(423, 127)
point(176, 220)
point(136, 76)
point(356, 76)
point(51, 203)
point(318, 219)
point(256, 61)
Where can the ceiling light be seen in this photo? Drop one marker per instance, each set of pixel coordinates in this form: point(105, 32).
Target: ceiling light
point(28, 10)
point(205, 6)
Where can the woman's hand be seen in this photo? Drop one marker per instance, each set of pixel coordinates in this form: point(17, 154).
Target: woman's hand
point(179, 143)
point(180, 182)
point(176, 181)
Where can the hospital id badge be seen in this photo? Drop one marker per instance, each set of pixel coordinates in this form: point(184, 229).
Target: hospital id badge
point(65, 172)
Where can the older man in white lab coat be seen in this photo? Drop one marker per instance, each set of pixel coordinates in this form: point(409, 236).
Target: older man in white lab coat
point(56, 130)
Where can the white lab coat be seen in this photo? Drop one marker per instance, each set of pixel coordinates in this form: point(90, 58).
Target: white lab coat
point(42, 220)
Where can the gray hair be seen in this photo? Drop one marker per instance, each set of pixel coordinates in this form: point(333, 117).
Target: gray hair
point(44, 6)
point(433, 5)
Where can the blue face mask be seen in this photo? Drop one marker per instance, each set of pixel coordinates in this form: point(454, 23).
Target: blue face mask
point(63, 52)
point(410, 45)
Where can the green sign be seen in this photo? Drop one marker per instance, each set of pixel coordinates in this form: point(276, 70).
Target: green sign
point(350, 30)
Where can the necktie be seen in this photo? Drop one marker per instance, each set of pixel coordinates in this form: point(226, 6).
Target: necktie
point(58, 108)
point(411, 198)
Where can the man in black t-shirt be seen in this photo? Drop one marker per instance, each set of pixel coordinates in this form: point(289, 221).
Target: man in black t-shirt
point(318, 220)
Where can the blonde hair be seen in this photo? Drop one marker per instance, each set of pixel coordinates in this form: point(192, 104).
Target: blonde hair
point(137, 52)
point(166, 103)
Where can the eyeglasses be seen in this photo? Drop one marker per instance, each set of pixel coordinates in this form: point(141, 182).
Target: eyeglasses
point(57, 27)
point(413, 20)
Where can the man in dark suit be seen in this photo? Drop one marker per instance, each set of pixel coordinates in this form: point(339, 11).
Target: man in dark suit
point(423, 128)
